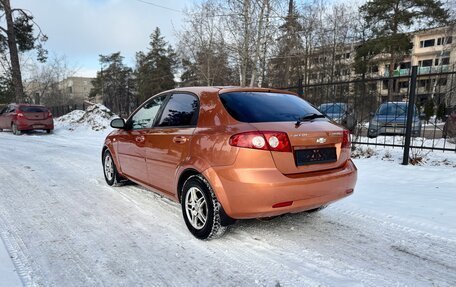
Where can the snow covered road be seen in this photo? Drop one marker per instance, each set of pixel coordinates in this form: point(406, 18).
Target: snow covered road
point(63, 226)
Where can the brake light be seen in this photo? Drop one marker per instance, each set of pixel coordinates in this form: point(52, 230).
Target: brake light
point(346, 142)
point(49, 115)
point(282, 204)
point(20, 115)
point(264, 140)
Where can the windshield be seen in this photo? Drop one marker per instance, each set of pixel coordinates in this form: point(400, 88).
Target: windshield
point(392, 109)
point(255, 107)
point(32, 109)
point(332, 108)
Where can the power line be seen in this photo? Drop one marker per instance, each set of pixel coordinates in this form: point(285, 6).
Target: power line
point(160, 6)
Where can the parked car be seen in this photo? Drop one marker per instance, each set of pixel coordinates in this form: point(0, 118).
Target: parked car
point(341, 113)
point(26, 117)
point(391, 118)
point(449, 129)
point(231, 153)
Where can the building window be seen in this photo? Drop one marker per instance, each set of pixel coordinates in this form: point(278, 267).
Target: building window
point(427, 43)
point(444, 41)
point(405, 65)
point(442, 82)
point(445, 61)
point(425, 63)
point(424, 83)
point(403, 85)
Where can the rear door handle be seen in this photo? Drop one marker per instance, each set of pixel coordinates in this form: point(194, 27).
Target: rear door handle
point(140, 139)
point(180, 139)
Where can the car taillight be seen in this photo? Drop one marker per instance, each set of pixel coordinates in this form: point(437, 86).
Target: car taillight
point(346, 142)
point(49, 115)
point(265, 140)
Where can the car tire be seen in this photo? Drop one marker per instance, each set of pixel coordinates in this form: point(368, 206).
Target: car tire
point(48, 131)
point(15, 130)
point(201, 209)
point(371, 136)
point(110, 172)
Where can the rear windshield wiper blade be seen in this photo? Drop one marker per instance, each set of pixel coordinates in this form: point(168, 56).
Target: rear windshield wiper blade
point(308, 117)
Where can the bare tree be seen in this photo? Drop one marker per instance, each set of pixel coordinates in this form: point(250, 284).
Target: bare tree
point(202, 47)
point(41, 80)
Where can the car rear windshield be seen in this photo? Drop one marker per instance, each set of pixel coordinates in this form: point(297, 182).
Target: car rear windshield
point(394, 109)
point(256, 107)
point(332, 108)
point(33, 109)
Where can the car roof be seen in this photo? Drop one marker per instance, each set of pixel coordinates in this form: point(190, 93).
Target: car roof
point(395, 103)
point(334, 104)
point(227, 89)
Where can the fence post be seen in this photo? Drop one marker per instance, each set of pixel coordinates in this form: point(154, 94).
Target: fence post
point(300, 87)
point(410, 111)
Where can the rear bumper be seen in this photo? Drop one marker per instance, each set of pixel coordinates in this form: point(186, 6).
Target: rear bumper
point(24, 125)
point(378, 130)
point(251, 193)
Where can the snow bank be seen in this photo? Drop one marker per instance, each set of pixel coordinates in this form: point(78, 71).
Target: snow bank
point(94, 118)
point(418, 156)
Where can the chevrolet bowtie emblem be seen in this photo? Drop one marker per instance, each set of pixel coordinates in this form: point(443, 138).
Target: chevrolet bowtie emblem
point(321, 140)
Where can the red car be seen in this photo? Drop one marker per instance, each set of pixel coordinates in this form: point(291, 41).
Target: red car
point(26, 117)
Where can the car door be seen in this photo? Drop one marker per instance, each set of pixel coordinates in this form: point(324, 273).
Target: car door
point(3, 118)
point(168, 143)
point(131, 142)
point(7, 116)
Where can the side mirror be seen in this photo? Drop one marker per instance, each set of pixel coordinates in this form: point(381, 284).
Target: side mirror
point(118, 123)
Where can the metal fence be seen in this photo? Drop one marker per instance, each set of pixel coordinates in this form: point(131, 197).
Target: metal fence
point(376, 109)
point(58, 111)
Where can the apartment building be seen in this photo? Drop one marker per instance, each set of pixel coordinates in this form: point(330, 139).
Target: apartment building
point(433, 51)
point(76, 89)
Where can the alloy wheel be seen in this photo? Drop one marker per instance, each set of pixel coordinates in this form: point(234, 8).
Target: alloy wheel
point(109, 167)
point(196, 208)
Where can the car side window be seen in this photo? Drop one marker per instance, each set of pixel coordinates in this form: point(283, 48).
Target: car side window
point(145, 116)
point(11, 109)
point(181, 110)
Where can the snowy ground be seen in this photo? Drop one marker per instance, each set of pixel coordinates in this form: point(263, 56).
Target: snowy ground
point(63, 226)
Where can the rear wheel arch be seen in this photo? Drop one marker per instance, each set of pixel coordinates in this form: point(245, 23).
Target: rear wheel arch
point(183, 178)
point(191, 172)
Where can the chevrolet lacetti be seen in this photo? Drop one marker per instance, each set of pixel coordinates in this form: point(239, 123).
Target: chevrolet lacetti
point(228, 153)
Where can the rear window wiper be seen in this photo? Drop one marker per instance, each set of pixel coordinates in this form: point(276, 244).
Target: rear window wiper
point(308, 117)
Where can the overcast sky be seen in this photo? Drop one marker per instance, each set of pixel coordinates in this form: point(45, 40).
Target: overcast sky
point(83, 29)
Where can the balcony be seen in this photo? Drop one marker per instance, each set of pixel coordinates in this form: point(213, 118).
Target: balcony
point(421, 71)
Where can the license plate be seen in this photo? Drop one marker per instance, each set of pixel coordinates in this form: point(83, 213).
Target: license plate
point(315, 155)
point(38, 126)
point(393, 130)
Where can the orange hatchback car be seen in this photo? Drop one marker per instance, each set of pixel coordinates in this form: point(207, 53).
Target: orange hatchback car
point(229, 153)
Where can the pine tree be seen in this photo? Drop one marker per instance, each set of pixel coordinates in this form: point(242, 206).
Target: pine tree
point(17, 35)
point(155, 69)
point(286, 65)
point(115, 84)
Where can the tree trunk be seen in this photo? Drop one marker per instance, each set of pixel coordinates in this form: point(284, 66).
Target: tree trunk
point(13, 51)
point(245, 44)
